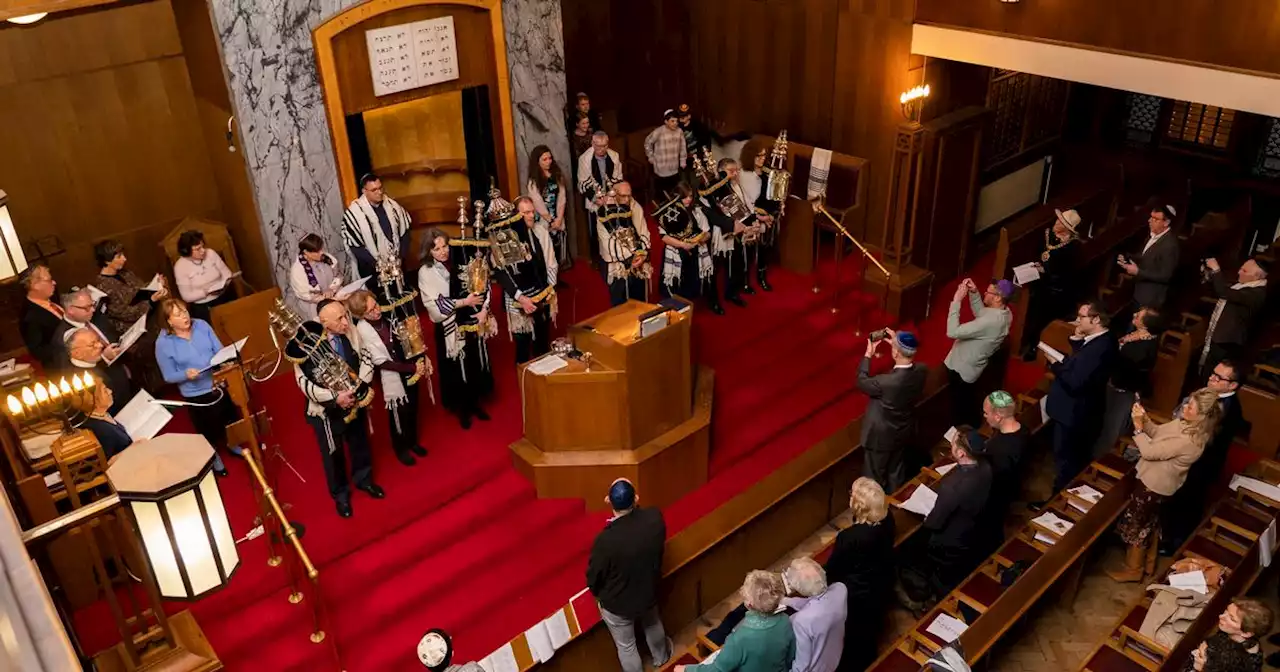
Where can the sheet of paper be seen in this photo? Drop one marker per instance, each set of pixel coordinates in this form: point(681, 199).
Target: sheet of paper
point(946, 468)
point(226, 354)
point(142, 417)
point(155, 284)
point(547, 364)
point(1052, 521)
point(921, 500)
point(1261, 487)
point(130, 336)
point(1267, 544)
point(1077, 506)
point(95, 293)
point(1045, 539)
point(951, 434)
point(502, 660)
point(351, 288)
point(1190, 581)
point(1086, 493)
point(946, 627)
point(558, 628)
point(8, 365)
point(54, 479)
point(540, 642)
point(1025, 273)
point(1049, 351)
point(1044, 409)
point(38, 446)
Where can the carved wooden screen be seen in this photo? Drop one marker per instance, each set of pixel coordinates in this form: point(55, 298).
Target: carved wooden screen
point(1206, 126)
point(1027, 111)
point(1269, 155)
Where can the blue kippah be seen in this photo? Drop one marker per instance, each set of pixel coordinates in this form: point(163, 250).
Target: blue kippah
point(907, 343)
point(622, 495)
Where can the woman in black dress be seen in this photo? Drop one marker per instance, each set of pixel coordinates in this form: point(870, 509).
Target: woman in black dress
point(863, 561)
point(1053, 296)
point(1130, 376)
point(1235, 646)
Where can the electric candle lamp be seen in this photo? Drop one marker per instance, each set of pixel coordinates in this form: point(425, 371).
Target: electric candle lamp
point(64, 386)
point(53, 391)
point(76, 384)
point(28, 398)
point(88, 380)
point(42, 395)
point(15, 406)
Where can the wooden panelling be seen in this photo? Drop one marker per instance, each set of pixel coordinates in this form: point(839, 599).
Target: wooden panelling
point(1238, 34)
point(419, 150)
point(100, 132)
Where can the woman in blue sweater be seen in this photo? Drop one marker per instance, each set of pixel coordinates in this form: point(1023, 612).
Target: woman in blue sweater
point(183, 351)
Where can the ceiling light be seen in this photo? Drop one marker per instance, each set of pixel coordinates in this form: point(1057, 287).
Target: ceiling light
point(28, 19)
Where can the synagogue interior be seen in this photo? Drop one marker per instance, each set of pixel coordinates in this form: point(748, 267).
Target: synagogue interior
point(639, 335)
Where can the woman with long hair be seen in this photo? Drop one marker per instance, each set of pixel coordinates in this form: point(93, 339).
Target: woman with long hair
point(1166, 453)
point(549, 191)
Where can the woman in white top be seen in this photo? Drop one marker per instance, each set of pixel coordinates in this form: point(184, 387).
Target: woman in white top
point(315, 276)
point(547, 189)
point(204, 280)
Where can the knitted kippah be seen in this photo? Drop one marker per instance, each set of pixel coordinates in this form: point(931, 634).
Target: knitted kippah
point(1000, 399)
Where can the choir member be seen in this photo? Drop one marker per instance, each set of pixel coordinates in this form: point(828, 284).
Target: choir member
point(41, 318)
point(203, 278)
point(401, 378)
point(462, 318)
point(84, 348)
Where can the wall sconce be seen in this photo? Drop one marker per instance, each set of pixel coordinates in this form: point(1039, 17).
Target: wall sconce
point(28, 19)
point(912, 100)
point(12, 259)
point(62, 401)
point(169, 486)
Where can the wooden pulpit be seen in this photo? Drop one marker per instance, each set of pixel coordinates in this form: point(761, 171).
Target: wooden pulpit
point(638, 409)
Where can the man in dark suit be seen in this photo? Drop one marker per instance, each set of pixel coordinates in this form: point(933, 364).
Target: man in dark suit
point(1079, 386)
point(80, 311)
point(1153, 268)
point(889, 424)
point(84, 350)
point(1181, 512)
point(1238, 306)
point(623, 572)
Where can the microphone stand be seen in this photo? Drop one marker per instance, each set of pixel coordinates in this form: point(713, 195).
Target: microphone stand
point(819, 207)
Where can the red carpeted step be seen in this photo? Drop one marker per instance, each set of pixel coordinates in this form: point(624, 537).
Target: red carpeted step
point(493, 586)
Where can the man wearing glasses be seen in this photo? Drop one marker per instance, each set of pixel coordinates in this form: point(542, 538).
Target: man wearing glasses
point(1183, 510)
point(1079, 386)
point(975, 342)
point(79, 312)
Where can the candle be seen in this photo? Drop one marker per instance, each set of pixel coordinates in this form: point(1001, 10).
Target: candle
point(28, 398)
point(42, 395)
point(76, 384)
point(88, 380)
point(53, 391)
point(63, 386)
point(15, 407)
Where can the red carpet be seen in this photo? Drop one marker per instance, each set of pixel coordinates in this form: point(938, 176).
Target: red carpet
point(462, 543)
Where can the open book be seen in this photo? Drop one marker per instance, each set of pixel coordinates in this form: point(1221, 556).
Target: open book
point(226, 354)
point(1050, 352)
point(142, 417)
point(130, 337)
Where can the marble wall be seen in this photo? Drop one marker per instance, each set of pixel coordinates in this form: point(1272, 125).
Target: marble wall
point(275, 88)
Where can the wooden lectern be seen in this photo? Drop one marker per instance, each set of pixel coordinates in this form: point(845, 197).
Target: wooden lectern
point(638, 410)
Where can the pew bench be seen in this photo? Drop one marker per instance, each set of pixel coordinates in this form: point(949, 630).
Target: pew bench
point(1229, 535)
point(1048, 556)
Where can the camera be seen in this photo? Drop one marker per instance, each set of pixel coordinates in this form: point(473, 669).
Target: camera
point(878, 335)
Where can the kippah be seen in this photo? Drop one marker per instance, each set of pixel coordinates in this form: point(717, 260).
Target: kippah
point(907, 342)
point(622, 495)
point(1000, 399)
point(1005, 288)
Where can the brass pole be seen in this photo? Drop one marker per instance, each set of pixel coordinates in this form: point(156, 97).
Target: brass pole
point(819, 207)
point(287, 528)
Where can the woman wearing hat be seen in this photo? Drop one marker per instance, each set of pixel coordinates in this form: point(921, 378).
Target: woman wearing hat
point(1053, 296)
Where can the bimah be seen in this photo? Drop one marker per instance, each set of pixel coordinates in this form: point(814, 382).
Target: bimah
point(636, 408)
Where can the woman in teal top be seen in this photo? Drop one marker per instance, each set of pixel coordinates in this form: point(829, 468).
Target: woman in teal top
point(764, 641)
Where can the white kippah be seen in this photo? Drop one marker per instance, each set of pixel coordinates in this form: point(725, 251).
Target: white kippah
point(1171, 210)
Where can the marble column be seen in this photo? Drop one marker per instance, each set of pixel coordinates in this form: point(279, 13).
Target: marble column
point(275, 88)
point(535, 58)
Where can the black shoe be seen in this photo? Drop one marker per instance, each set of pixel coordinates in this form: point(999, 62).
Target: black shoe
point(220, 473)
point(418, 450)
point(736, 300)
point(481, 415)
point(372, 489)
point(764, 282)
point(465, 421)
point(748, 289)
point(344, 508)
point(406, 459)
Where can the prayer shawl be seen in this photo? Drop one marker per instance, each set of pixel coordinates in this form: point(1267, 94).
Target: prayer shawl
point(393, 392)
point(819, 171)
point(611, 251)
point(360, 228)
point(673, 260)
point(317, 395)
point(517, 321)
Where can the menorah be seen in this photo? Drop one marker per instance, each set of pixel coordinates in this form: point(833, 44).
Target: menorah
point(66, 402)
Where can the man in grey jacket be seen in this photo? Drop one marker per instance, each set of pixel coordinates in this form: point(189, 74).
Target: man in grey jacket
point(1154, 267)
point(889, 425)
point(975, 342)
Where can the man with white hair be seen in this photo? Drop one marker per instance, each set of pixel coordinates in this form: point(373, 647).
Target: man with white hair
point(599, 168)
point(85, 348)
point(819, 618)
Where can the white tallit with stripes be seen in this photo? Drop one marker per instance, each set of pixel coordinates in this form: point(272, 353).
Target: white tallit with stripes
point(673, 262)
point(819, 172)
point(360, 228)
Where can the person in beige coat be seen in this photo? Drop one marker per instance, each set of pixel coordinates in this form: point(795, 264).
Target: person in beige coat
point(1167, 451)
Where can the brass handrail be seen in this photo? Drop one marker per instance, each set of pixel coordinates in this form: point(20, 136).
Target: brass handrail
point(285, 525)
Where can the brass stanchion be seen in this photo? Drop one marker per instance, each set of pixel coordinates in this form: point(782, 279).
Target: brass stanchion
point(820, 207)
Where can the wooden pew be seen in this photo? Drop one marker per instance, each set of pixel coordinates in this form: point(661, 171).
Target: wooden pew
point(999, 607)
point(1230, 535)
point(1261, 407)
